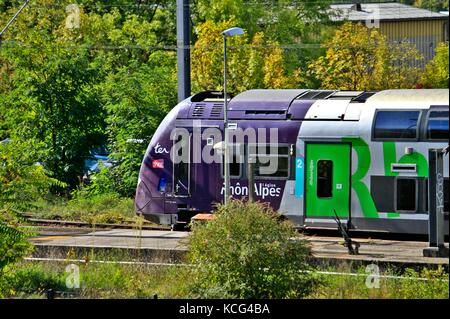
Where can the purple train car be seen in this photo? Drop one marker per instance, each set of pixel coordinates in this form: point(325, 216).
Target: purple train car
point(361, 154)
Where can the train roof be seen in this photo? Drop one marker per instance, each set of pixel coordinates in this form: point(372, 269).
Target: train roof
point(294, 103)
point(407, 96)
point(254, 100)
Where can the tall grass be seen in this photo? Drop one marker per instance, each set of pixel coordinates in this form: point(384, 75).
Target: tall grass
point(101, 208)
point(100, 280)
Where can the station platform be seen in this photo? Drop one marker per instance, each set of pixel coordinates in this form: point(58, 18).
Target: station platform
point(171, 247)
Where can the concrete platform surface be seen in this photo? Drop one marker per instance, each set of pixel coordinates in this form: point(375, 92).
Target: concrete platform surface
point(117, 238)
point(173, 245)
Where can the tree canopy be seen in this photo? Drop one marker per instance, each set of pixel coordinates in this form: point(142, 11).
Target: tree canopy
point(436, 72)
point(358, 58)
point(77, 76)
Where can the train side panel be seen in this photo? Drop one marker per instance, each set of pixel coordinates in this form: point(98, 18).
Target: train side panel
point(388, 176)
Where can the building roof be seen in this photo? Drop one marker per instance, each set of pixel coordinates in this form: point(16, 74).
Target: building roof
point(390, 11)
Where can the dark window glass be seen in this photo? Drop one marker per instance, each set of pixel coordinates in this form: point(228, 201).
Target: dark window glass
point(271, 161)
point(235, 163)
point(406, 194)
point(265, 166)
point(324, 178)
point(437, 127)
point(396, 124)
point(181, 169)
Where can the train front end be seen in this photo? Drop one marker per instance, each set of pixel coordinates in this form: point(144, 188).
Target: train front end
point(155, 176)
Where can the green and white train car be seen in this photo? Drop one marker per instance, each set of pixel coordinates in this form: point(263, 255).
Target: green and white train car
point(365, 155)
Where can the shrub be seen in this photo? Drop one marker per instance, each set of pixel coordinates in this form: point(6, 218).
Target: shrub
point(247, 252)
point(22, 182)
point(32, 279)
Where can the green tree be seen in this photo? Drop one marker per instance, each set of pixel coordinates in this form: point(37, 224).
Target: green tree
point(246, 252)
point(58, 105)
point(137, 98)
point(433, 5)
point(53, 76)
point(284, 21)
point(253, 62)
point(295, 27)
point(358, 58)
point(436, 71)
point(22, 182)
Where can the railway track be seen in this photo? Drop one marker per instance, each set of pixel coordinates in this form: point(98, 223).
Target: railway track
point(309, 231)
point(326, 232)
point(79, 224)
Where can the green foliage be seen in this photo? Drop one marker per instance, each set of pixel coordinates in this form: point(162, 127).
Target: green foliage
point(100, 208)
point(13, 244)
point(53, 100)
point(97, 280)
point(281, 20)
point(60, 84)
point(359, 58)
point(30, 280)
point(246, 252)
point(22, 182)
point(137, 98)
point(437, 71)
point(288, 29)
point(410, 284)
point(253, 62)
point(87, 207)
point(100, 182)
point(433, 5)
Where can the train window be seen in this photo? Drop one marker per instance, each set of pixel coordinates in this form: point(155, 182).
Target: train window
point(271, 161)
point(235, 162)
point(324, 178)
point(437, 126)
point(181, 167)
point(396, 125)
point(406, 194)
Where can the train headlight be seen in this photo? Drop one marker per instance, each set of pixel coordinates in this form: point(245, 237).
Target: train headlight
point(162, 184)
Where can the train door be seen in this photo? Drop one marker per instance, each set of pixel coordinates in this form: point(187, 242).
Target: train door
point(182, 165)
point(327, 180)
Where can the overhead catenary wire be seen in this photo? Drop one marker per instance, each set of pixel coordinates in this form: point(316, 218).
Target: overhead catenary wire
point(13, 18)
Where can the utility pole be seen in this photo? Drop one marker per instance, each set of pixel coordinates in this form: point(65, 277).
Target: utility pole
point(231, 32)
point(183, 50)
point(12, 20)
point(436, 246)
point(251, 180)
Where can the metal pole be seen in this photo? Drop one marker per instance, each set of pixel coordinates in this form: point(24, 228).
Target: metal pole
point(436, 246)
point(13, 18)
point(183, 50)
point(225, 125)
point(251, 180)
